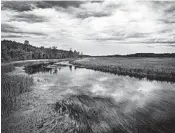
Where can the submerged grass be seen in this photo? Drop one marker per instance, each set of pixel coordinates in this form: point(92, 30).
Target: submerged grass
point(162, 69)
point(11, 87)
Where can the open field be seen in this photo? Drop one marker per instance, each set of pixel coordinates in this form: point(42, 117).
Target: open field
point(162, 69)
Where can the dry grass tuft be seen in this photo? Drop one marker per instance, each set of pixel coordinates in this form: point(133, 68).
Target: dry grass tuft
point(93, 114)
point(85, 114)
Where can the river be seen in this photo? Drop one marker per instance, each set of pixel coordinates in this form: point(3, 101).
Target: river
point(139, 101)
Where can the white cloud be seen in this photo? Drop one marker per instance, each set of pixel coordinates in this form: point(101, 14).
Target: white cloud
point(116, 25)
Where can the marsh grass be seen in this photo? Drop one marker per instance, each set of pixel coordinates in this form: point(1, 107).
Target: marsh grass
point(11, 87)
point(152, 69)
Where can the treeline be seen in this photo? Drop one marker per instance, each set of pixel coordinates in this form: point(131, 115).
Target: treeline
point(12, 51)
point(151, 55)
point(142, 55)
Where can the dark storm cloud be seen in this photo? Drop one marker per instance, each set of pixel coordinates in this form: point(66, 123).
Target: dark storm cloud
point(63, 4)
point(84, 15)
point(6, 28)
point(91, 9)
point(17, 5)
point(100, 1)
point(12, 36)
point(167, 21)
point(171, 8)
point(30, 5)
point(30, 18)
point(167, 9)
point(137, 35)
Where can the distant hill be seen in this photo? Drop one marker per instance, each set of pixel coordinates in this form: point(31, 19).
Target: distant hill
point(12, 51)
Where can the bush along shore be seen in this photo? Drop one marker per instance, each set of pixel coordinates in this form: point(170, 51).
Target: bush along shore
point(140, 73)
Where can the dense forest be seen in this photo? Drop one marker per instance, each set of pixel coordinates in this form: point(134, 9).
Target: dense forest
point(12, 51)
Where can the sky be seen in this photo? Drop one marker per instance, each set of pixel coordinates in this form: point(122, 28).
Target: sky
point(102, 27)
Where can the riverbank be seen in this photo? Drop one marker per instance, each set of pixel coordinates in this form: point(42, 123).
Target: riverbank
point(161, 69)
point(12, 86)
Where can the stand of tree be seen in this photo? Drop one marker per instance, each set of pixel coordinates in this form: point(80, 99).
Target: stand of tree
point(12, 51)
point(151, 55)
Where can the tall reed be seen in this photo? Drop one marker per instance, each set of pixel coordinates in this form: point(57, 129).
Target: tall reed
point(11, 87)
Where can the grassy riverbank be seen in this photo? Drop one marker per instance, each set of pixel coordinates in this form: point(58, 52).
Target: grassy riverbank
point(162, 69)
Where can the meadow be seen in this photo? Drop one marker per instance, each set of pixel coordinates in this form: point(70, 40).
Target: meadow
point(161, 69)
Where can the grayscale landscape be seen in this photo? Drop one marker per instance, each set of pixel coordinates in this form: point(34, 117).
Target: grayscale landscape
point(88, 66)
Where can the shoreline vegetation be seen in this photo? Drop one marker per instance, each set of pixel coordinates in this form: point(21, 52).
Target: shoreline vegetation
point(11, 87)
point(161, 69)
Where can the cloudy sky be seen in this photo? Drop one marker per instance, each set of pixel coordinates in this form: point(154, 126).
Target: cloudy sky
point(92, 27)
